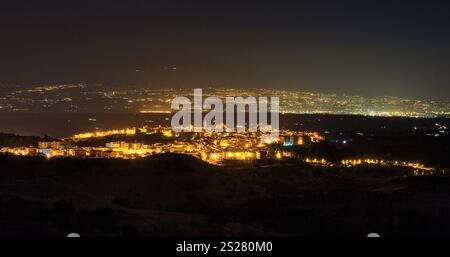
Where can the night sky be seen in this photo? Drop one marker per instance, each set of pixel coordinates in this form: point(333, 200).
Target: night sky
point(373, 48)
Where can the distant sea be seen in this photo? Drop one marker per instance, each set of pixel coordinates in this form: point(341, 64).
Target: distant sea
point(64, 125)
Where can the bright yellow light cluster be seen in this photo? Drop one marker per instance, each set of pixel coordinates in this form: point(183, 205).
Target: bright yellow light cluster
point(356, 162)
point(127, 131)
point(317, 161)
point(167, 133)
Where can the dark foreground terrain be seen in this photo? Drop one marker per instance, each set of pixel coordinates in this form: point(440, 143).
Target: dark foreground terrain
point(176, 195)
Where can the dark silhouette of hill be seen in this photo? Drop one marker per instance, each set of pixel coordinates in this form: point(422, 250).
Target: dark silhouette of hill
point(138, 138)
point(178, 195)
point(11, 140)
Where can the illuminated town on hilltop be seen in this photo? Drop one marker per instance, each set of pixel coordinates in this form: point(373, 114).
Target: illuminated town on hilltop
point(212, 147)
point(82, 98)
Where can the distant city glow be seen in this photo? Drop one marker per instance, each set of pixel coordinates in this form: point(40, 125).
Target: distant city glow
point(82, 98)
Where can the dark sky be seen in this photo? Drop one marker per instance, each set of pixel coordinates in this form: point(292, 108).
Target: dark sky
point(367, 47)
